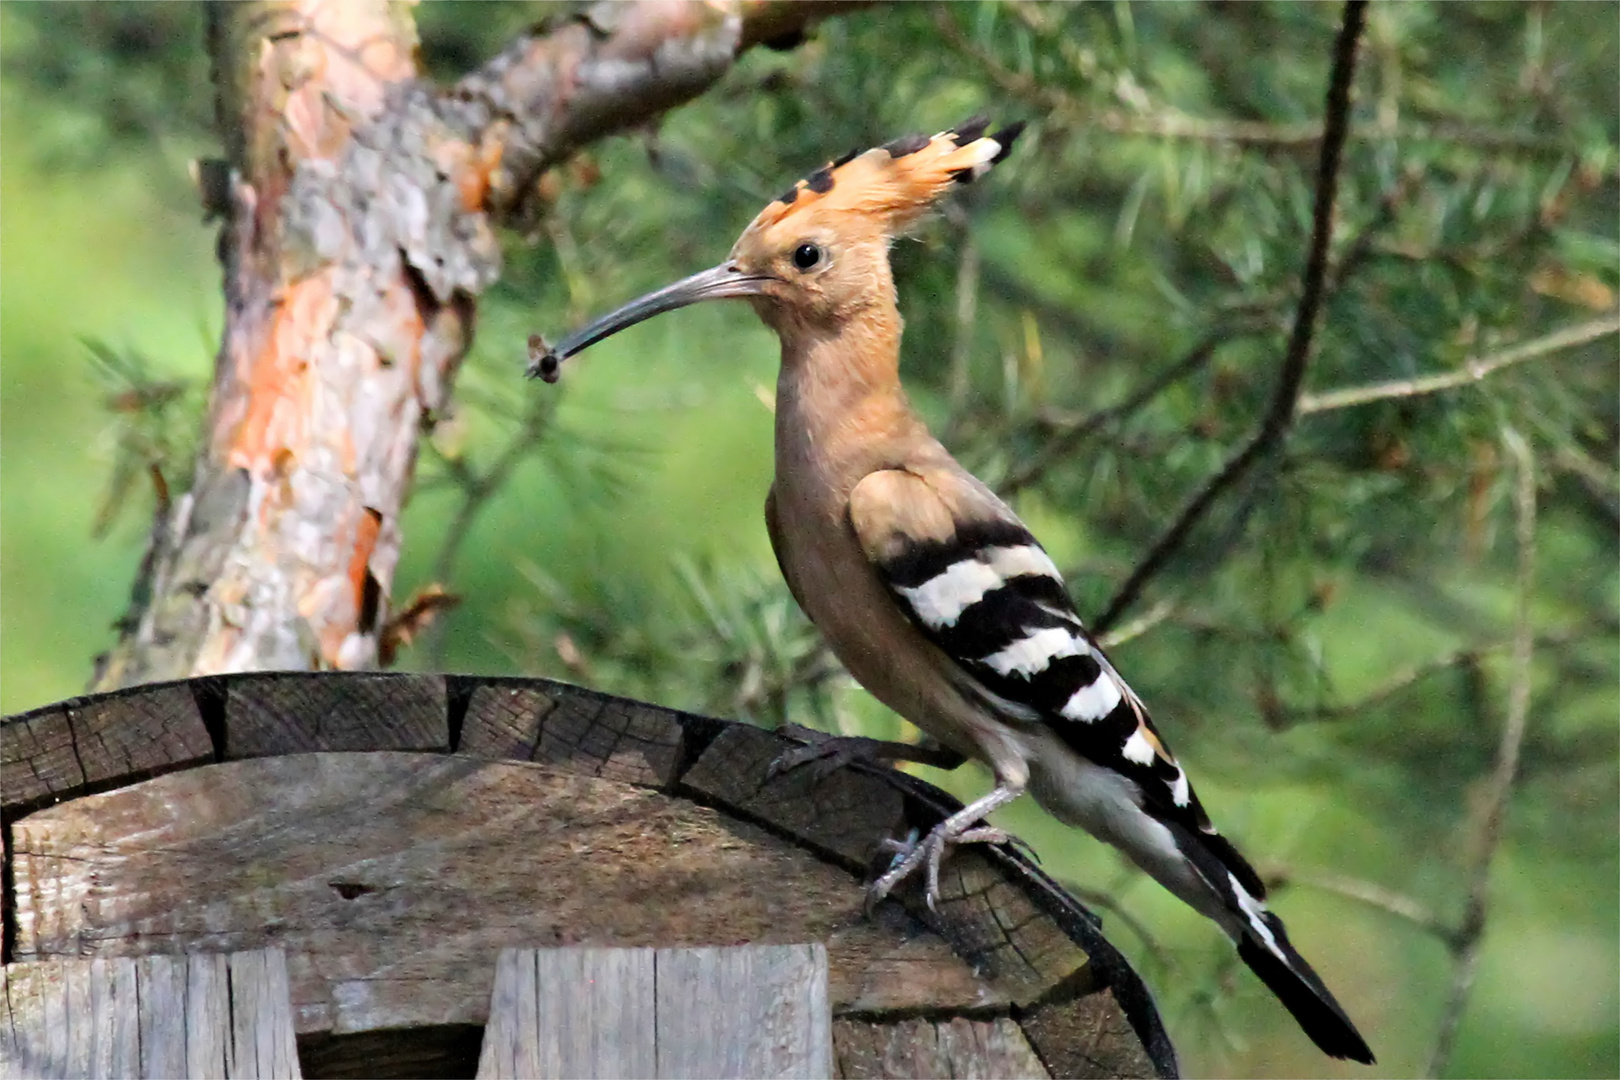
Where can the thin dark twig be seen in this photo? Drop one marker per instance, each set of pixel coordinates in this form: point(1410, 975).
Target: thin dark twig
point(1279, 417)
point(1065, 442)
point(1470, 935)
point(1411, 676)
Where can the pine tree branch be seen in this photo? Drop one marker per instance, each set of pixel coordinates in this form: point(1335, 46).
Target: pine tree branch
point(1465, 947)
point(1144, 119)
point(1474, 369)
point(1072, 436)
point(609, 68)
point(1279, 417)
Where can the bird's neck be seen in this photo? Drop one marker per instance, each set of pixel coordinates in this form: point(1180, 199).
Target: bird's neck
point(840, 410)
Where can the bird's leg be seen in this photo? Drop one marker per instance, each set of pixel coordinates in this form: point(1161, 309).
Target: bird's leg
point(833, 752)
point(963, 827)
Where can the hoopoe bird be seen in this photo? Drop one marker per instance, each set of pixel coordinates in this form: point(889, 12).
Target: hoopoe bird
point(928, 587)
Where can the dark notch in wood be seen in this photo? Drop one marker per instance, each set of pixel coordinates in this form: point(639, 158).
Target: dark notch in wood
point(697, 735)
point(8, 895)
point(210, 693)
point(458, 692)
point(906, 144)
point(442, 1050)
point(820, 181)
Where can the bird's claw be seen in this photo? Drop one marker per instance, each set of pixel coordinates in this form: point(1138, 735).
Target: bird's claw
point(912, 853)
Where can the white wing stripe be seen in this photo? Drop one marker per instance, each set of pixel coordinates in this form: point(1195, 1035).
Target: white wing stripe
point(1030, 655)
point(940, 600)
point(1254, 911)
point(1138, 749)
point(1181, 791)
point(1093, 701)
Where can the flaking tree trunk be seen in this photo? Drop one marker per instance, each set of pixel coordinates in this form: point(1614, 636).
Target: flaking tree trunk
point(360, 205)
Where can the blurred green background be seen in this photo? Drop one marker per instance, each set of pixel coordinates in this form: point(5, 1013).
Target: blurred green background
point(1328, 655)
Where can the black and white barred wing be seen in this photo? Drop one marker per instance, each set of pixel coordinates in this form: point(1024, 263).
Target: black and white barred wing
point(975, 581)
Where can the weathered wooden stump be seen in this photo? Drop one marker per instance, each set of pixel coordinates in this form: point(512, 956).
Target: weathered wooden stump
point(392, 834)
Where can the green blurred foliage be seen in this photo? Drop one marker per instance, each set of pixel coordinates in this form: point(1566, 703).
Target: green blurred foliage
point(1328, 653)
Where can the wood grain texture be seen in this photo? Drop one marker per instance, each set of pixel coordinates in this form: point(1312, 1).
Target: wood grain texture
point(958, 1047)
point(580, 730)
point(847, 813)
point(747, 1011)
point(157, 1016)
point(1088, 1037)
point(298, 712)
point(756, 1011)
point(992, 922)
point(572, 1013)
point(63, 750)
point(393, 880)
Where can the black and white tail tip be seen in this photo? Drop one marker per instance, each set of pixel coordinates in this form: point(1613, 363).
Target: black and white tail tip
point(1265, 947)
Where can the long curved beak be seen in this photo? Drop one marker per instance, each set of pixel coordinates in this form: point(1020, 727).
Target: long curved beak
point(717, 283)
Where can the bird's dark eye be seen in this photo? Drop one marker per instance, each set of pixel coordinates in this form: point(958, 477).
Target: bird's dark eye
point(806, 255)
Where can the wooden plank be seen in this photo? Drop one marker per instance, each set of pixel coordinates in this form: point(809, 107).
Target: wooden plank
point(158, 1017)
point(571, 1013)
point(746, 1011)
point(993, 1049)
point(161, 1009)
point(299, 712)
point(58, 752)
point(262, 1044)
point(752, 1011)
point(580, 730)
point(846, 812)
point(208, 1018)
point(595, 1013)
point(114, 995)
point(393, 880)
point(511, 1046)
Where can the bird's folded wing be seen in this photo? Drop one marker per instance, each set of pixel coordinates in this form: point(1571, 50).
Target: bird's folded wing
point(974, 580)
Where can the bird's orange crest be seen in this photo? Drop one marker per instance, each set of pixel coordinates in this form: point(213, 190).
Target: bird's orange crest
point(893, 184)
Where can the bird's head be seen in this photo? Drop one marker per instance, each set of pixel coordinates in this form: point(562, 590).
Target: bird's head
point(818, 256)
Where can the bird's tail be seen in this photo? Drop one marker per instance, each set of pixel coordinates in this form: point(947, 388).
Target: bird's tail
point(1265, 948)
point(1263, 944)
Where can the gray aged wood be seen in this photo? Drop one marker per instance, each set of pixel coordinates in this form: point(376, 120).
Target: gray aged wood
point(580, 730)
point(958, 1047)
point(202, 1015)
point(572, 1013)
point(747, 1011)
point(754, 1011)
point(57, 752)
point(393, 880)
point(295, 712)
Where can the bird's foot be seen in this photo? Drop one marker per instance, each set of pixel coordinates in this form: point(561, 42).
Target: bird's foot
point(829, 753)
point(966, 826)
